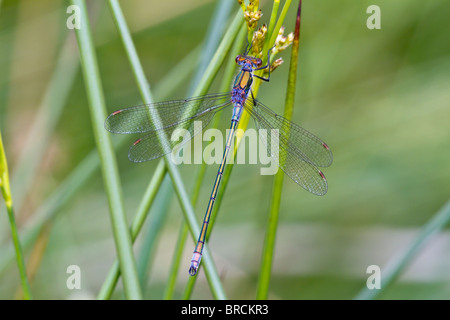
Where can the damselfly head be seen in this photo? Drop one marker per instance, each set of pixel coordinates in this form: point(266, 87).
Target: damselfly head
point(254, 62)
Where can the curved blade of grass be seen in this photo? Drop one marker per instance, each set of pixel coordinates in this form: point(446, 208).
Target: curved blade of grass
point(399, 262)
point(274, 34)
point(146, 97)
point(273, 18)
point(6, 192)
point(269, 241)
point(108, 164)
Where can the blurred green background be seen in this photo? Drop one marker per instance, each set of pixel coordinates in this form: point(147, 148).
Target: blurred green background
point(379, 98)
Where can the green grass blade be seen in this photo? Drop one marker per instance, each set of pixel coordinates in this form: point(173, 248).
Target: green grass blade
point(150, 194)
point(279, 22)
point(6, 192)
point(273, 18)
point(398, 263)
point(109, 167)
point(176, 261)
point(269, 241)
point(160, 208)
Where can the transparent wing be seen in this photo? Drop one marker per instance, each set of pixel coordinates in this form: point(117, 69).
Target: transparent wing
point(160, 115)
point(304, 143)
point(151, 146)
point(296, 150)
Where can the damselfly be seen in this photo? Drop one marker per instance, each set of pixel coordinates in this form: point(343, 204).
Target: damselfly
point(299, 151)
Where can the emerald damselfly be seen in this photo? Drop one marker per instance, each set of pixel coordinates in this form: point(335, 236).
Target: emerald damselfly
point(299, 152)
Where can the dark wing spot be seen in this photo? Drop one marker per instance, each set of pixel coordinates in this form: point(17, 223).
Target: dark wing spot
point(322, 175)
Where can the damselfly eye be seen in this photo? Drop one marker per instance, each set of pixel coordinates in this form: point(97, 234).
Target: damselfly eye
point(258, 62)
point(239, 59)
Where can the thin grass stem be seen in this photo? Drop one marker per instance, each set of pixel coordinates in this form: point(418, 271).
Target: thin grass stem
point(6, 192)
point(280, 22)
point(269, 241)
point(108, 164)
point(158, 215)
point(113, 275)
point(273, 18)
